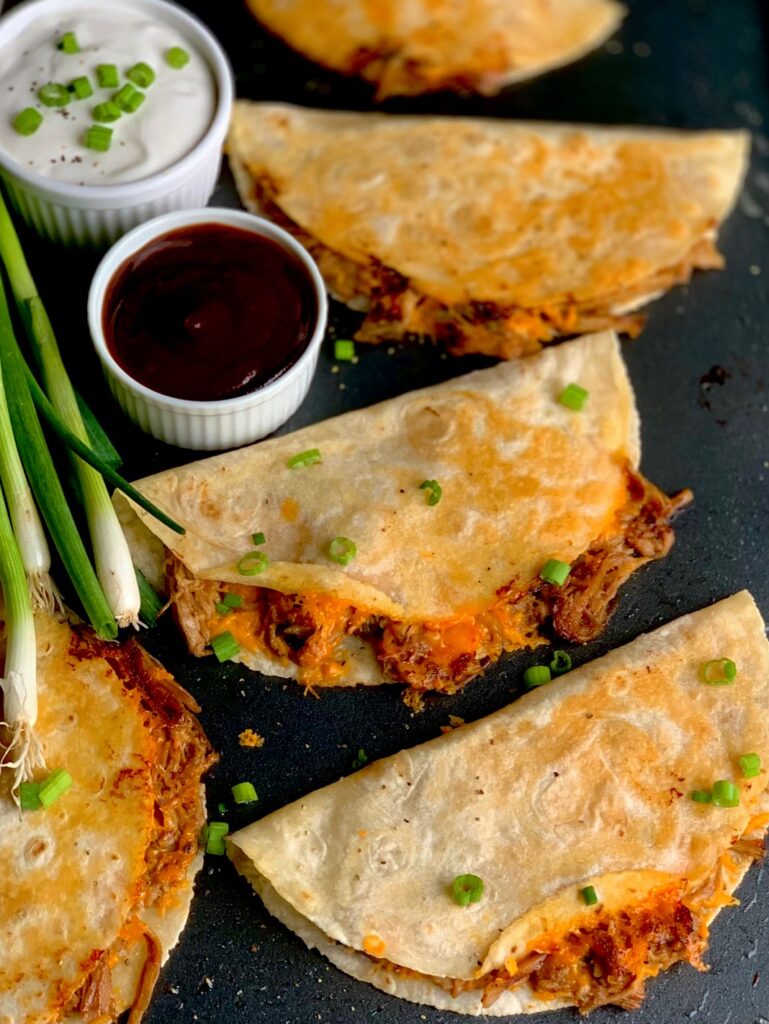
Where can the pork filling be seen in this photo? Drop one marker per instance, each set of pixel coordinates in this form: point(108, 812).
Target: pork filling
point(309, 629)
point(396, 309)
point(181, 756)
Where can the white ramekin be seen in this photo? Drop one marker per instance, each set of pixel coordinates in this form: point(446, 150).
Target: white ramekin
point(96, 215)
point(229, 422)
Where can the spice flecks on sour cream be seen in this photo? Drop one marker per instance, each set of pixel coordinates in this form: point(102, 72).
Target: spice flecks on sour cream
point(176, 113)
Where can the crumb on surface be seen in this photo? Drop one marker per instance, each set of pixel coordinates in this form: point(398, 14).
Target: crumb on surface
point(249, 738)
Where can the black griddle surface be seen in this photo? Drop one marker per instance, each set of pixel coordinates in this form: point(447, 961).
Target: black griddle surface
point(695, 64)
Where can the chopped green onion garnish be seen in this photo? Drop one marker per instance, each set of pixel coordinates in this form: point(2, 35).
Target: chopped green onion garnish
point(726, 794)
point(342, 550)
point(434, 491)
point(29, 796)
point(573, 397)
point(589, 895)
point(141, 74)
point(98, 137)
point(344, 350)
point(361, 758)
point(54, 94)
point(308, 458)
point(27, 121)
point(107, 76)
point(244, 793)
point(68, 43)
point(750, 765)
point(51, 789)
point(107, 112)
point(213, 836)
point(81, 87)
point(228, 603)
point(177, 57)
point(718, 672)
point(537, 675)
point(555, 572)
point(252, 563)
point(129, 99)
point(561, 663)
point(258, 538)
point(702, 796)
point(225, 646)
point(467, 889)
point(221, 808)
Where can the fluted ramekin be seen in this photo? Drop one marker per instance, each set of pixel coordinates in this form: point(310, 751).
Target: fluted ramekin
point(95, 215)
point(228, 422)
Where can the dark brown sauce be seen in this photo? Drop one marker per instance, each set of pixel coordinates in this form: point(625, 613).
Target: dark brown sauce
point(208, 312)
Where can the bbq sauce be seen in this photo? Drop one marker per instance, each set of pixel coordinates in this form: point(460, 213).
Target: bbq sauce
point(209, 312)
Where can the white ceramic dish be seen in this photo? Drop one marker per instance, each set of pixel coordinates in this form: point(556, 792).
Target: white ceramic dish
point(229, 422)
point(96, 215)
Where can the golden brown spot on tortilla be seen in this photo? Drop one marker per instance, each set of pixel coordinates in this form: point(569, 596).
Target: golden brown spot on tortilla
point(289, 509)
point(373, 945)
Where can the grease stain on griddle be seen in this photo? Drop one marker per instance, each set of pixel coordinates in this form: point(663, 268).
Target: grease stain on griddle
point(716, 376)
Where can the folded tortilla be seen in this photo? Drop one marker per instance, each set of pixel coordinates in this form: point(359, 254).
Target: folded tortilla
point(435, 592)
point(491, 236)
point(96, 889)
point(416, 46)
point(585, 782)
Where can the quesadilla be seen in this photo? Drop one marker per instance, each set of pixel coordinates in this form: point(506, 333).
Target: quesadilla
point(408, 542)
point(97, 887)
point(490, 236)
point(415, 46)
point(569, 819)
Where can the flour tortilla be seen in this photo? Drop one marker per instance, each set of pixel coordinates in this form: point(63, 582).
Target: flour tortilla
point(375, 853)
point(524, 479)
point(412, 46)
point(72, 872)
point(520, 215)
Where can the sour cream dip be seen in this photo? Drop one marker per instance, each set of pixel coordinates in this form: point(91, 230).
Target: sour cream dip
point(177, 109)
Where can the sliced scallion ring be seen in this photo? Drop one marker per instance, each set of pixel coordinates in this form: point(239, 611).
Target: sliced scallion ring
point(561, 663)
point(434, 491)
point(725, 793)
point(27, 121)
point(718, 672)
point(252, 563)
point(224, 646)
point(309, 458)
point(467, 889)
point(176, 57)
point(54, 94)
point(342, 550)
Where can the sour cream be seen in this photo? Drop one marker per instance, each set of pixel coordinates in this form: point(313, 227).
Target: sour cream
point(178, 107)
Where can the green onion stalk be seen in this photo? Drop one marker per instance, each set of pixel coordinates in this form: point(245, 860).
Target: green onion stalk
point(112, 557)
point(27, 528)
point(45, 482)
point(20, 749)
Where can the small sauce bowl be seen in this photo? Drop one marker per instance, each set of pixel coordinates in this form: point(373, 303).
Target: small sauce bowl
point(221, 423)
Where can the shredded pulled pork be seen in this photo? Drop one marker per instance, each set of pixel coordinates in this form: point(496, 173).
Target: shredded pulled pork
point(308, 629)
point(608, 961)
point(582, 606)
point(95, 997)
point(181, 757)
point(396, 74)
point(396, 309)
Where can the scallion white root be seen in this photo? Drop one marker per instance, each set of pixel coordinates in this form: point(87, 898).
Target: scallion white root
point(20, 750)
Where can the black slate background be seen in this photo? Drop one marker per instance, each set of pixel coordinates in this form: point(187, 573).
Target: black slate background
point(687, 63)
